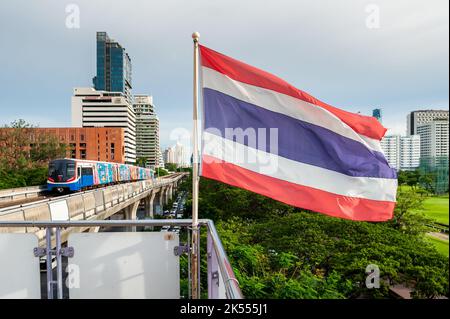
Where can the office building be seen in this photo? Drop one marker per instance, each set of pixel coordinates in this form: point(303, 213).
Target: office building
point(96, 144)
point(160, 159)
point(391, 149)
point(113, 67)
point(176, 154)
point(409, 152)
point(402, 152)
point(433, 139)
point(147, 130)
point(416, 118)
point(92, 108)
point(169, 155)
point(376, 113)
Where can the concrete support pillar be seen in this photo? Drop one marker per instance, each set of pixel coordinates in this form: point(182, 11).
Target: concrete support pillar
point(149, 205)
point(170, 192)
point(161, 198)
point(166, 195)
point(130, 214)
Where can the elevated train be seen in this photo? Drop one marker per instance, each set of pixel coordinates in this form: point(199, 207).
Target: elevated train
point(71, 175)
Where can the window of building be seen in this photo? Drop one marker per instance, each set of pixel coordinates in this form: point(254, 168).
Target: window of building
point(83, 145)
point(83, 154)
point(82, 137)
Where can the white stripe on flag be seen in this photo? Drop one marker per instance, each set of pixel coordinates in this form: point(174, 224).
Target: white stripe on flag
point(299, 173)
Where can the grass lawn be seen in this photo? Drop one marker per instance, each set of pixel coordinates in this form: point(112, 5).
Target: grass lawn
point(437, 208)
point(441, 245)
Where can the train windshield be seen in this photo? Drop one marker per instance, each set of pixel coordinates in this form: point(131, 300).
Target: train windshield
point(61, 171)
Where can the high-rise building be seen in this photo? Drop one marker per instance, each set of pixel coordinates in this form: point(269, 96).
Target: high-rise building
point(176, 154)
point(434, 139)
point(409, 152)
point(376, 113)
point(391, 149)
point(161, 159)
point(91, 108)
point(180, 154)
point(434, 153)
point(402, 152)
point(416, 118)
point(169, 155)
point(147, 130)
point(113, 67)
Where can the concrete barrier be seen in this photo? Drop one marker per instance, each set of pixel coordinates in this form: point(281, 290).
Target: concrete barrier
point(130, 190)
point(107, 197)
point(37, 213)
point(99, 203)
point(15, 216)
point(115, 195)
point(89, 204)
point(75, 207)
point(120, 189)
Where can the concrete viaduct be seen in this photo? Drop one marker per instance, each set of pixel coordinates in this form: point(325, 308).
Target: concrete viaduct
point(97, 204)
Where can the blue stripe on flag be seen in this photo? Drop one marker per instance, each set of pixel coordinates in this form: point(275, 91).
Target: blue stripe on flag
point(297, 140)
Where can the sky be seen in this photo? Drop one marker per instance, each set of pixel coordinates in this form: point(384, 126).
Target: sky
point(354, 54)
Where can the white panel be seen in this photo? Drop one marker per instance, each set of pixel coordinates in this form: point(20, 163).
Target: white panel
point(19, 269)
point(125, 265)
point(59, 210)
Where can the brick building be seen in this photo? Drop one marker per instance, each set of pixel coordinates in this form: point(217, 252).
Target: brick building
point(90, 143)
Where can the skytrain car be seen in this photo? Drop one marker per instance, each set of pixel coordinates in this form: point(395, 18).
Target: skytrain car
point(71, 175)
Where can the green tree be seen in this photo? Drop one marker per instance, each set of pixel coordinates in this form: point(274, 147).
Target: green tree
point(141, 161)
point(25, 153)
point(170, 167)
point(159, 172)
point(281, 252)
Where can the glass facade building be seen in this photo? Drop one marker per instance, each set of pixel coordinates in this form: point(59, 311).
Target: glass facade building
point(376, 113)
point(113, 67)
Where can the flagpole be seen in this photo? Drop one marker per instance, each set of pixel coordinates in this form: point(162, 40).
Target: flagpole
point(195, 288)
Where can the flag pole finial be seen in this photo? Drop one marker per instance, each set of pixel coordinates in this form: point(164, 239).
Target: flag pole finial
point(196, 36)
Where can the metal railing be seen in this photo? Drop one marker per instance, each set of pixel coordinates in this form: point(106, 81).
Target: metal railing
point(219, 268)
point(21, 192)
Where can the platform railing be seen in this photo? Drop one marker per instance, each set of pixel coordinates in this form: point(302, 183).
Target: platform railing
point(222, 282)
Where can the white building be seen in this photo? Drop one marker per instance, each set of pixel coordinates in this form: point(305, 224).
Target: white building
point(169, 155)
point(176, 155)
point(415, 118)
point(434, 139)
point(160, 159)
point(409, 152)
point(91, 108)
point(391, 149)
point(147, 130)
point(402, 152)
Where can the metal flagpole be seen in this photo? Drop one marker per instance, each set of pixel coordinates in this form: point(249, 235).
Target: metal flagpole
point(195, 288)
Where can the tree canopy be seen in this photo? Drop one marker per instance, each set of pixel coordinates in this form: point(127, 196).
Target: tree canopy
point(278, 251)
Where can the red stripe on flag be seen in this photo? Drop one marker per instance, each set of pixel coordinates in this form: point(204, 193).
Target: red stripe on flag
point(297, 195)
point(242, 72)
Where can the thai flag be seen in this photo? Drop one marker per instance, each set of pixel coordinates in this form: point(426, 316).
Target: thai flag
point(262, 134)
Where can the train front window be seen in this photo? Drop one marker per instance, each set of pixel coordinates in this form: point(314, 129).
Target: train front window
point(70, 170)
point(51, 170)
